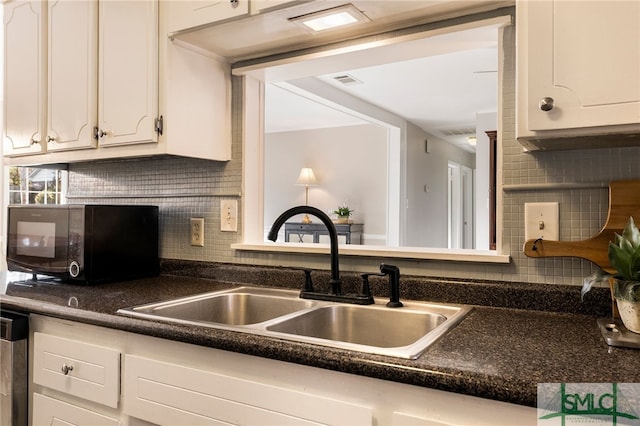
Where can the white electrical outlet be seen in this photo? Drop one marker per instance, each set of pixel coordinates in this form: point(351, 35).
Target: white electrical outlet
point(229, 215)
point(197, 231)
point(541, 220)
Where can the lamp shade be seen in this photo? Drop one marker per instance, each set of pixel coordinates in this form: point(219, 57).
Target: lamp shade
point(306, 177)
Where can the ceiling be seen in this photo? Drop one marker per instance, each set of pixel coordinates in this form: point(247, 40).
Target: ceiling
point(440, 88)
point(441, 93)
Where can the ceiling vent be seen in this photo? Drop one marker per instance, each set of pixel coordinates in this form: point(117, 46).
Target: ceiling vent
point(458, 131)
point(346, 79)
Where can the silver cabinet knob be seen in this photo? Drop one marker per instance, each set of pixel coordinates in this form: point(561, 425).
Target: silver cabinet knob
point(34, 141)
point(546, 104)
point(66, 368)
point(50, 139)
point(234, 3)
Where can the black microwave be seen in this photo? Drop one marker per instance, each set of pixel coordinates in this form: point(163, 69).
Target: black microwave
point(86, 244)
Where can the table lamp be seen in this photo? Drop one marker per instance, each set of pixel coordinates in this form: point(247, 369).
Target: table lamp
point(306, 178)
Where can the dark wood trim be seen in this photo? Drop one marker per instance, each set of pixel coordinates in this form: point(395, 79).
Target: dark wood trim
point(493, 138)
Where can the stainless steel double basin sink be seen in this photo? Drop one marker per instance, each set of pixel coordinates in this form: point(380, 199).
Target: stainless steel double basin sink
point(400, 332)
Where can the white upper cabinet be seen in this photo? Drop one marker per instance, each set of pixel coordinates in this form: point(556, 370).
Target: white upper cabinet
point(24, 78)
point(578, 68)
point(76, 70)
point(196, 92)
point(188, 14)
point(128, 72)
point(99, 79)
point(72, 75)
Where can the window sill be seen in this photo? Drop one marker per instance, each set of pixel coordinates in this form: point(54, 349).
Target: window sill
point(459, 255)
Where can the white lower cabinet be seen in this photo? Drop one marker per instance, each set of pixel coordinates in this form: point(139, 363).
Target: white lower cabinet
point(74, 373)
point(77, 368)
point(170, 394)
point(166, 382)
point(50, 411)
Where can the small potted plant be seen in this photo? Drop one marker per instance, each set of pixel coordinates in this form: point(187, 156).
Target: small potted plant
point(624, 257)
point(343, 212)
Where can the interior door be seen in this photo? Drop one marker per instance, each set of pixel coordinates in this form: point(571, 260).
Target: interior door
point(454, 206)
point(467, 175)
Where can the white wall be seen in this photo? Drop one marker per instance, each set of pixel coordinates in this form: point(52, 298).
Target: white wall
point(350, 164)
point(3, 170)
point(427, 209)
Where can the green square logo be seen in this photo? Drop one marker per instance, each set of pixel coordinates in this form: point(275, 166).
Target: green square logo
point(564, 404)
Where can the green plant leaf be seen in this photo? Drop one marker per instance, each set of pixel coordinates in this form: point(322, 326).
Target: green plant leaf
point(626, 246)
point(624, 257)
point(632, 233)
point(627, 290)
point(621, 261)
point(343, 211)
point(635, 266)
point(597, 277)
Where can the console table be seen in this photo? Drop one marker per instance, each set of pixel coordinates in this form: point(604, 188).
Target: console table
point(351, 231)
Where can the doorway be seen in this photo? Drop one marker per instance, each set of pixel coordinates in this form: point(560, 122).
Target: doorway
point(460, 206)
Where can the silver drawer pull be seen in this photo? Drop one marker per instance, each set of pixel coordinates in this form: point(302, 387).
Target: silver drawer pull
point(66, 368)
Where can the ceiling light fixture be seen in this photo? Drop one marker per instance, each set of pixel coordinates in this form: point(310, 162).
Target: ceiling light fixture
point(471, 140)
point(327, 19)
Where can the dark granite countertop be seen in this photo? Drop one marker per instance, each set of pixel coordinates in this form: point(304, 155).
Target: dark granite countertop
point(500, 351)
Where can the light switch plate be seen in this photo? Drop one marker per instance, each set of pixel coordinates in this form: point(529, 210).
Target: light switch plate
point(541, 220)
point(229, 215)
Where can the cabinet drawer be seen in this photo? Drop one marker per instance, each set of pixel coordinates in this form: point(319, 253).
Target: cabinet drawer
point(80, 369)
point(49, 411)
point(169, 394)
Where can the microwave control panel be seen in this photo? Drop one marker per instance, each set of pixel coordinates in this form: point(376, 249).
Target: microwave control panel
point(75, 243)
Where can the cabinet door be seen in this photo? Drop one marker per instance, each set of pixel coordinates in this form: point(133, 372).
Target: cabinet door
point(128, 72)
point(197, 103)
point(192, 13)
point(73, 74)
point(170, 394)
point(585, 56)
point(49, 411)
point(24, 77)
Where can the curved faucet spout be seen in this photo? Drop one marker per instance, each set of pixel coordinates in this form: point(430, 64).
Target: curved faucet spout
point(333, 238)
